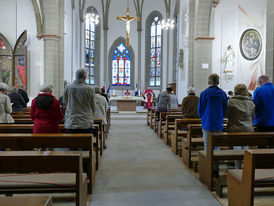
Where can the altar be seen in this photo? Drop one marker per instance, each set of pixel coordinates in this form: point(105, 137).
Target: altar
point(126, 103)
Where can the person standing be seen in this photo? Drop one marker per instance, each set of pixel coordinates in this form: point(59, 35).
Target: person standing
point(163, 100)
point(24, 94)
point(45, 111)
point(212, 108)
point(173, 100)
point(263, 99)
point(5, 105)
point(240, 113)
point(190, 104)
point(79, 101)
point(17, 100)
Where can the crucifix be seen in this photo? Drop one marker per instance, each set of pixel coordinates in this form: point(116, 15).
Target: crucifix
point(128, 19)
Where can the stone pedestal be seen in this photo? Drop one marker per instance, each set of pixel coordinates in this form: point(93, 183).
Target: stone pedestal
point(126, 105)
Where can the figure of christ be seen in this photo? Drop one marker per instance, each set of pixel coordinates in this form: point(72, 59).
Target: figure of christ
point(21, 68)
point(128, 19)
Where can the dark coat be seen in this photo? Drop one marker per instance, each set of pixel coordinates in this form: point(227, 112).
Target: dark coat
point(189, 106)
point(24, 94)
point(17, 101)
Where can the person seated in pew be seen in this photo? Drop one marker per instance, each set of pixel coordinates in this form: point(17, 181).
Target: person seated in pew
point(17, 100)
point(240, 113)
point(101, 107)
point(45, 111)
point(5, 105)
point(190, 104)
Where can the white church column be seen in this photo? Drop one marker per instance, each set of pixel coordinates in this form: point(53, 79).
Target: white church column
point(270, 40)
point(53, 13)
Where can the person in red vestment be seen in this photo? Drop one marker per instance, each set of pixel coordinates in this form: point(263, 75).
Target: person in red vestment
point(127, 93)
point(45, 111)
point(149, 94)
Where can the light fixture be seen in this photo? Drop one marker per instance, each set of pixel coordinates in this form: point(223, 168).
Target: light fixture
point(93, 18)
point(168, 24)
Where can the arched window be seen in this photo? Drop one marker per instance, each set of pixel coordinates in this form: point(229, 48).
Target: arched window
point(121, 64)
point(91, 32)
point(154, 44)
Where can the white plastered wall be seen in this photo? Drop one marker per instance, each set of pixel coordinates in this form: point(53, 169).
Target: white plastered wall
point(17, 16)
point(232, 18)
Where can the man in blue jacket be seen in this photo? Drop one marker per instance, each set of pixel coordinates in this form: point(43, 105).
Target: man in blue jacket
point(212, 108)
point(263, 98)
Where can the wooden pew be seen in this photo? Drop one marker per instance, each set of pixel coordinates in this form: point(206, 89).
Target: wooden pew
point(162, 119)
point(70, 180)
point(152, 117)
point(210, 157)
point(169, 127)
point(258, 171)
point(28, 128)
point(26, 201)
point(193, 139)
point(179, 132)
point(72, 141)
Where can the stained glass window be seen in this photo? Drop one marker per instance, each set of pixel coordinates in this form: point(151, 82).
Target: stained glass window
point(90, 42)
point(155, 52)
point(121, 64)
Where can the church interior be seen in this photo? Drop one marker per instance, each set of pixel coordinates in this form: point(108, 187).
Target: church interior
point(137, 52)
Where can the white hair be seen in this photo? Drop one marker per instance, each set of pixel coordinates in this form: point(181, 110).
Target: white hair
point(46, 88)
point(4, 87)
point(191, 90)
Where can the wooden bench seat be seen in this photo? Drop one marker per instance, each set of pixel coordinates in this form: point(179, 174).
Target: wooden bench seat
point(180, 131)
point(169, 127)
point(162, 121)
point(210, 157)
point(76, 141)
point(258, 171)
point(26, 201)
point(28, 129)
point(45, 162)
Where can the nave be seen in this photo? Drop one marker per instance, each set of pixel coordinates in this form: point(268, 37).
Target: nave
point(138, 169)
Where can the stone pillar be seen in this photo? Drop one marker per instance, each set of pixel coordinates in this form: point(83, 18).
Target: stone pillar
point(270, 40)
point(53, 17)
point(139, 59)
point(106, 77)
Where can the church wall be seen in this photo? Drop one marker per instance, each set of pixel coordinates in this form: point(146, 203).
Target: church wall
point(72, 55)
point(15, 17)
point(184, 48)
point(232, 18)
point(270, 40)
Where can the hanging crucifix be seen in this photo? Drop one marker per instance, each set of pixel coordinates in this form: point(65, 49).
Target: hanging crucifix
point(128, 19)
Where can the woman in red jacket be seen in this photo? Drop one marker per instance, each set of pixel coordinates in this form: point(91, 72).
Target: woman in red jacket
point(45, 111)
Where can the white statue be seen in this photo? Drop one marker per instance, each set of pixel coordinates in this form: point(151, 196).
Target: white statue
point(229, 60)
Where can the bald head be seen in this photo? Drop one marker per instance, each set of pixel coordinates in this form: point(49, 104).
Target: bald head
point(263, 79)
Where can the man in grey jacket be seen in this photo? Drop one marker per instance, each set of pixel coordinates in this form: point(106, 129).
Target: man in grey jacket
point(79, 100)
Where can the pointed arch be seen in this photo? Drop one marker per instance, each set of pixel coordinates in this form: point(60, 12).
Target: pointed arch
point(154, 51)
point(127, 69)
point(20, 61)
point(6, 54)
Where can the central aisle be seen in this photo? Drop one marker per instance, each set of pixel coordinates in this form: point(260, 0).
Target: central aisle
point(138, 169)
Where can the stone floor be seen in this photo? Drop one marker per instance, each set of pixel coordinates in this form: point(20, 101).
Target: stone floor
point(137, 169)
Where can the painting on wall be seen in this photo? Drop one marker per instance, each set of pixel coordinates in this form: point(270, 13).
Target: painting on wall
point(13, 69)
point(6, 73)
point(251, 44)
